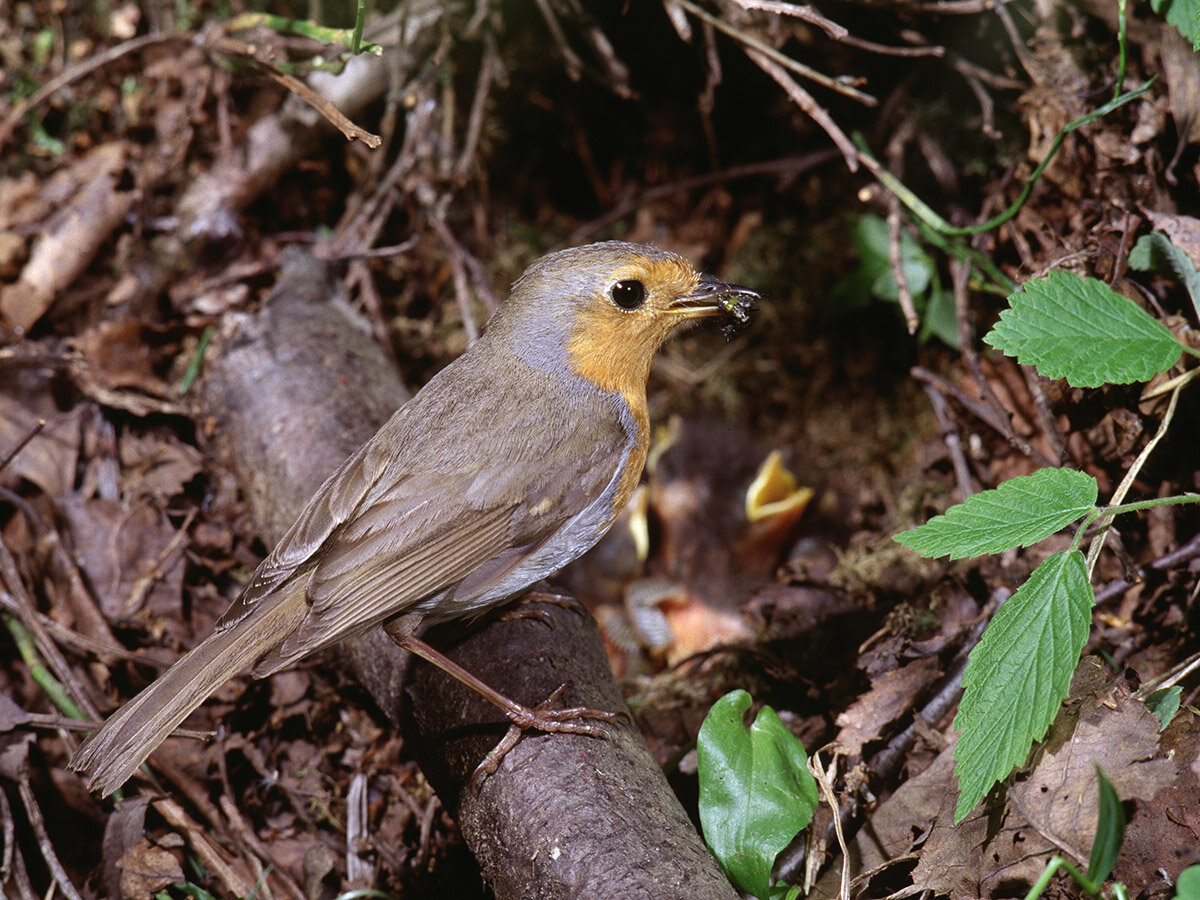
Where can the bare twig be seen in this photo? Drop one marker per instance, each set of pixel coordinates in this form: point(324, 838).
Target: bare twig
point(955, 7)
point(358, 870)
point(960, 272)
point(756, 49)
point(571, 60)
point(1118, 496)
point(141, 587)
point(987, 109)
point(1184, 554)
point(12, 866)
point(826, 787)
point(29, 436)
point(194, 834)
point(1033, 381)
point(38, 824)
point(241, 828)
point(231, 47)
point(895, 151)
point(459, 264)
point(980, 410)
point(952, 440)
point(896, 262)
point(888, 50)
point(809, 105)
point(490, 68)
point(807, 13)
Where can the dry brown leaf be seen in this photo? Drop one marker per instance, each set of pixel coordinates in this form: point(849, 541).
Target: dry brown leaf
point(156, 464)
point(146, 869)
point(122, 354)
point(49, 459)
point(1181, 67)
point(919, 816)
point(11, 715)
point(890, 697)
point(119, 545)
point(1053, 808)
point(1060, 797)
point(1163, 835)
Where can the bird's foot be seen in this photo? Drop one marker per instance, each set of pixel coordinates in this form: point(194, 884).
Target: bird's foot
point(542, 718)
point(526, 607)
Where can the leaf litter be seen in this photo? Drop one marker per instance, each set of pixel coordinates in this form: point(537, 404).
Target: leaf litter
point(850, 643)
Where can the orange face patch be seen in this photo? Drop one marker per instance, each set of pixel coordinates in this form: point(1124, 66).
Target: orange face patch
point(612, 347)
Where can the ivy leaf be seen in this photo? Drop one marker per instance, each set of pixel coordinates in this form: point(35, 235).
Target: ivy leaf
point(1019, 674)
point(1076, 328)
point(756, 792)
point(1020, 512)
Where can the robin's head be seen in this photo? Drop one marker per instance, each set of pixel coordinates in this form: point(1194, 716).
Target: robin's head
point(602, 310)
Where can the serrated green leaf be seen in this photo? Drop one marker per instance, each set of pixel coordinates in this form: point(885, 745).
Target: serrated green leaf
point(1019, 674)
point(756, 792)
point(1076, 328)
point(1184, 15)
point(1110, 832)
point(1156, 252)
point(1020, 512)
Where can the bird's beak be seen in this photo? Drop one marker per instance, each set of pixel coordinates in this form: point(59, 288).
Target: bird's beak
point(713, 298)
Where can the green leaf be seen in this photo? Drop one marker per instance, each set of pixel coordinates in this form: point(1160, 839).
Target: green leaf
point(1184, 15)
point(1155, 252)
point(1077, 328)
point(1188, 885)
point(940, 318)
point(1164, 703)
point(1019, 674)
point(1110, 832)
point(871, 240)
point(1020, 512)
point(756, 792)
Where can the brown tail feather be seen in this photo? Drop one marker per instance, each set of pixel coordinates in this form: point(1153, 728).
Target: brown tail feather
point(112, 754)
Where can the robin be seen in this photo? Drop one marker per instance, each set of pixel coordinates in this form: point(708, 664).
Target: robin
point(510, 463)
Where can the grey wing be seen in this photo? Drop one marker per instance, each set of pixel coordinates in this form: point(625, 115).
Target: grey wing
point(422, 537)
point(332, 506)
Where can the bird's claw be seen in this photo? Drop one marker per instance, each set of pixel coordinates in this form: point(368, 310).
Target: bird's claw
point(542, 718)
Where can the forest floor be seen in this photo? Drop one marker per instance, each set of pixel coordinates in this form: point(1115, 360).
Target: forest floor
point(156, 159)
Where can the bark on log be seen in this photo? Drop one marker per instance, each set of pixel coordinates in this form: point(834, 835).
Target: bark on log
point(294, 391)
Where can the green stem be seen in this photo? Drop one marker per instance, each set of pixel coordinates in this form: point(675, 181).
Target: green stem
point(193, 370)
point(925, 213)
point(42, 676)
point(1043, 881)
point(1121, 30)
point(360, 17)
point(1149, 504)
point(1052, 867)
point(1082, 527)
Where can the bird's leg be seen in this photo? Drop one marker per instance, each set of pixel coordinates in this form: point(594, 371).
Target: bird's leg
point(540, 718)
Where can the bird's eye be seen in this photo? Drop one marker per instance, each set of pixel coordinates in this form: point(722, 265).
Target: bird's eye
point(628, 294)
